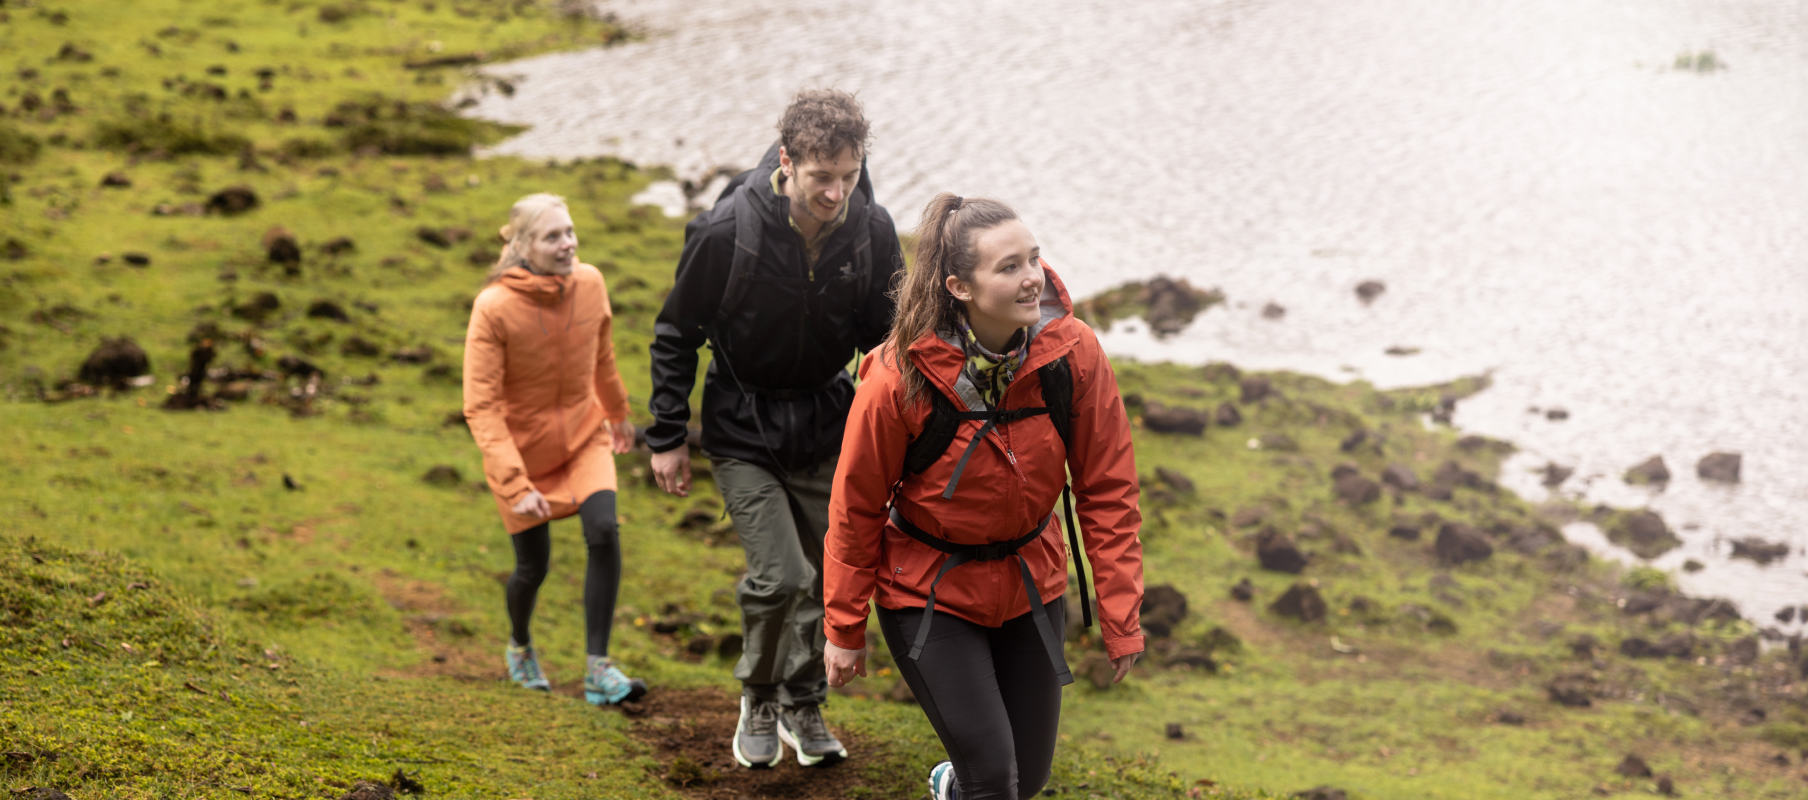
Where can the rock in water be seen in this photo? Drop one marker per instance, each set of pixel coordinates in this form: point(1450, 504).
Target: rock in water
point(1755, 549)
point(1277, 552)
point(1555, 474)
point(1163, 608)
point(1227, 415)
point(1644, 533)
point(1369, 290)
point(1302, 602)
point(1458, 543)
point(1164, 419)
point(1649, 471)
point(1723, 467)
point(114, 363)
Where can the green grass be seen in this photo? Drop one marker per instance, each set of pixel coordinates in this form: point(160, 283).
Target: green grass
point(352, 583)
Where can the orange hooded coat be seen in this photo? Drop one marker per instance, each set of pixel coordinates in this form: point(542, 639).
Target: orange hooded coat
point(540, 384)
point(1006, 491)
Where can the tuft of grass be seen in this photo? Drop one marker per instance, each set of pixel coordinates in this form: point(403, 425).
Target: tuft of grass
point(17, 146)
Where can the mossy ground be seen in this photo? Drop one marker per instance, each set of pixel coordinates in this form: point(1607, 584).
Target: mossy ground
point(375, 595)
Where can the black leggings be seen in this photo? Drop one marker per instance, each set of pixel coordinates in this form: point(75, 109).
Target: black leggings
point(602, 576)
point(990, 693)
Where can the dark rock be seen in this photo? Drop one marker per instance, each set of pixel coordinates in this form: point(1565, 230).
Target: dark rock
point(1273, 310)
point(117, 180)
point(1164, 607)
point(1583, 647)
point(1509, 717)
point(1164, 419)
point(327, 309)
point(1651, 470)
point(1353, 441)
point(1471, 443)
point(1755, 549)
point(1787, 615)
point(1255, 388)
point(1555, 474)
point(232, 200)
point(1556, 414)
point(1400, 477)
point(1680, 645)
point(1219, 371)
point(1458, 543)
point(1437, 491)
point(1780, 759)
point(1095, 668)
point(1357, 490)
point(1175, 731)
point(730, 645)
point(1574, 691)
point(283, 250)
point(1633, 767)
point(114, 363)
point(289, 483)
point(1529, 539)
point(258, 308)
point(1404, 529)
point(1369, 290)
point(1227, 415)
point(1244, 591)
point(1344, 545)
point(1566, 558)
point(294, 367)
point(1279, 442)
point(1322, 793)
point(1743, 652)
point(13, 249)
point(1723, 467)
point(1277, 552)
point(1175, 480)
point(433, 236)
point(443, 475)
point(1249, 517)
point(1343, 470)
point(1643, 532)
point(360, 347)
point(1302, 602)
point(1173, 304)
point(365, 790)
point(1666, 786)
point(339, 246)
point(136, 259)
point(484, 257)
point(1453, 474)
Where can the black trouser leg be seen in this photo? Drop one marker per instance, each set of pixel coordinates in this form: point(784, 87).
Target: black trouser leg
point(602, 573)
point(533, 552)
point(990, 694)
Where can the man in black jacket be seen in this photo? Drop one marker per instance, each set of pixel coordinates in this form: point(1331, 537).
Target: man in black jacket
point(785, 278)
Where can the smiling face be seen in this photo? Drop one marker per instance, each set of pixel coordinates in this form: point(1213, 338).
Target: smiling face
point(819, 187)
point(551, 248)
point(1006, 290)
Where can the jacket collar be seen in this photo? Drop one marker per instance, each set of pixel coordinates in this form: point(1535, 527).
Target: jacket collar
point(941, 357)
point(544, 290)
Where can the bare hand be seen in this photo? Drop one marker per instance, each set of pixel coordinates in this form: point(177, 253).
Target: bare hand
point(672, 470)
point(1123, 664)
point(843, 664)
point(533, 505)
point(621, 436)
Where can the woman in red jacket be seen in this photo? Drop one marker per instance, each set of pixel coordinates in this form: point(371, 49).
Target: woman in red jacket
point(969, 546)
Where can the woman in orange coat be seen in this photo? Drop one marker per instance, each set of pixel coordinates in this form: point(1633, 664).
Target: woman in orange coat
point(546, 405)
point(970, 543)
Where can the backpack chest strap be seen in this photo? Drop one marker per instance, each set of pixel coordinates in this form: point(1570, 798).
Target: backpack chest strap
point(992, 419)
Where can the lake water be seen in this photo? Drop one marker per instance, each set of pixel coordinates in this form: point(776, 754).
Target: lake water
point(1546, 192)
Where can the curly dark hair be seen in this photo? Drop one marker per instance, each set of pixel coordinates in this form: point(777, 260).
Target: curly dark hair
point(819, 123)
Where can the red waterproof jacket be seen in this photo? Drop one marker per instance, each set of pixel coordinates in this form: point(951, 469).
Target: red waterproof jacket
point(1006, 491)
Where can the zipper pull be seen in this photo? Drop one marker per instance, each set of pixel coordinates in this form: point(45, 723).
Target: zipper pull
point(1012, 457)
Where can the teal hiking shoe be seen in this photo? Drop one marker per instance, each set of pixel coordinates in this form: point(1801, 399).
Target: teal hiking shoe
point(605, 685)
point(524, 668)
point(942, 785)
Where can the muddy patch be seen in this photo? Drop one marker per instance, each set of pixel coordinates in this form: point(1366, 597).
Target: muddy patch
point(447, 645)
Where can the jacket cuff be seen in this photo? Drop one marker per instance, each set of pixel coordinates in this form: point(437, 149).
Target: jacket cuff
point(852, 637)
point(660, 437)
point(1118, 648)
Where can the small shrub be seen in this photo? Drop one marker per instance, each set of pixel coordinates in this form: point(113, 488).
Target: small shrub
point(401, 128)
point(17, 146)
point(144, 134)
point(304, 147)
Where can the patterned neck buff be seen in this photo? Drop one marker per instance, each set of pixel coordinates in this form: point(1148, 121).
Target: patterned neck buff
point(991, 372)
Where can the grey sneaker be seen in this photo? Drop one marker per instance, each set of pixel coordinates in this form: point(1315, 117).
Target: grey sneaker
point(802, 728)
point(756, 737)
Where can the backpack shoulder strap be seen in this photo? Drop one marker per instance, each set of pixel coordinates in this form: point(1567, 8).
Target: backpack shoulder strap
point(938, 433)
point(1057, 395)
point(746, 253)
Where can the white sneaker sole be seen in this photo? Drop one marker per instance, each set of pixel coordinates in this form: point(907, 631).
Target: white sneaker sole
point(785, 738)
point(778, 753)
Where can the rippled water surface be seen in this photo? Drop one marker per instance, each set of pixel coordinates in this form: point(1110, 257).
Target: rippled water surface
point(1546, 194)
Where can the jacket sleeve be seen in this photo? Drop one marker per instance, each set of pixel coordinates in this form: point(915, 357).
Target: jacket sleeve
point(678, 331)
point(1103, 465)
point(877, 308)
point(872, 459)
point(609, 386)
point(486, 407)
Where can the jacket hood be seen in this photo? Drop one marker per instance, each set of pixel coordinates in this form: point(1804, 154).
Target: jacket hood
point(941, 357)
point(545, 290)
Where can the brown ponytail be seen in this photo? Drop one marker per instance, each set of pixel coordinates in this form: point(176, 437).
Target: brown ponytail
point(944, 247)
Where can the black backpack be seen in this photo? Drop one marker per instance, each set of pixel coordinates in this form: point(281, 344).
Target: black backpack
point(928, 447)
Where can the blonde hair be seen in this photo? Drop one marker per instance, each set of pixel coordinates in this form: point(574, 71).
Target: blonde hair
point(522, 217)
